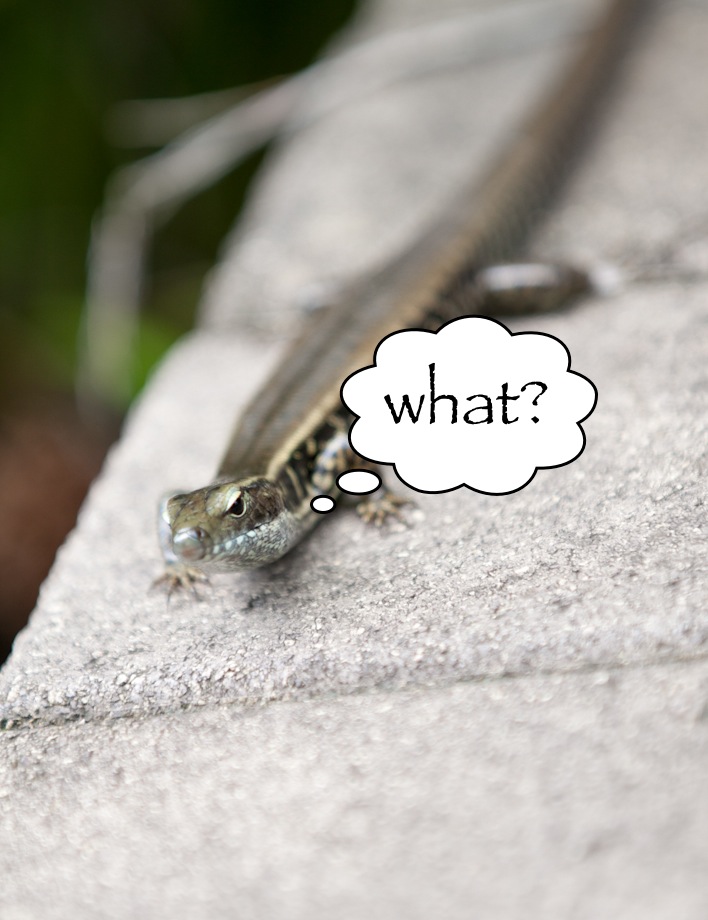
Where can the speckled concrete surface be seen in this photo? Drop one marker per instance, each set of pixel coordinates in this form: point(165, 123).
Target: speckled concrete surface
point(547, 797)
point(510, 690)
point(601, 562)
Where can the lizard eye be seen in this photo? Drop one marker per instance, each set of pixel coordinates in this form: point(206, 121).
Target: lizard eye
point(238, 508)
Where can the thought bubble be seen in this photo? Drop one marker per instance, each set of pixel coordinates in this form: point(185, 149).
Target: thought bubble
point(472, 404)
point(355, 482)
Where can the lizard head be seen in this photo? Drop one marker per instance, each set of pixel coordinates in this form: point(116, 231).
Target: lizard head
point(229, 525)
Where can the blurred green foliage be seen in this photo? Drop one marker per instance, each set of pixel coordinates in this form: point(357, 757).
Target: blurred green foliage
point(63, 66)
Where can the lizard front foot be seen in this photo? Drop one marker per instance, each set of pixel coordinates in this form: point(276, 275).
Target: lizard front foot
point(377, 510)
point(178, 578)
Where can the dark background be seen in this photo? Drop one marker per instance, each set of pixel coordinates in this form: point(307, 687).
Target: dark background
point(64, 68)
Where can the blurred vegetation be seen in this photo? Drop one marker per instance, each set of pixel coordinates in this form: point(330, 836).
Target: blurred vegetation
point(64, 65)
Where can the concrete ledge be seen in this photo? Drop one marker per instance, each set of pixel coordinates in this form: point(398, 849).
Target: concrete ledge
point(598, 563)
point(546, 797)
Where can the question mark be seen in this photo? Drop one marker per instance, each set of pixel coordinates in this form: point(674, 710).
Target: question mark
point(535, 383)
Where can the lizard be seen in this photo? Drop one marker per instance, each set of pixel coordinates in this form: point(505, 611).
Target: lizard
point(292, 441)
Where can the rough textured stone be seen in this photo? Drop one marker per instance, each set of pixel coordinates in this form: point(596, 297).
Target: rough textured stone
point(545, 797)
point(599, 562)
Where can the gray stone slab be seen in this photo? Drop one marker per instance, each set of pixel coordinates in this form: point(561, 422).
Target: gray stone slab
point(598, 563)
point(544, 797)
point(641, 200)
